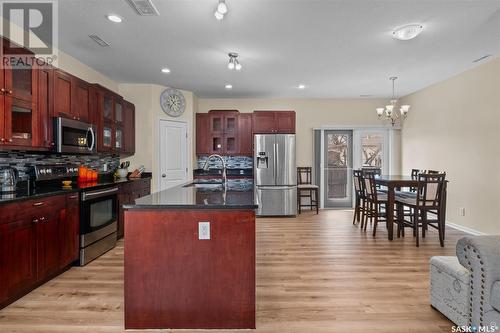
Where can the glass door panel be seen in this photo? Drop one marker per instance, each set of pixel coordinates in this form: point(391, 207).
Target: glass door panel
point(22, 83)
point(118, 112)
point(119, 139)
point(371, 150)
point(337, 168)
point(19, 119)
point(107, 138)
point(107, 107)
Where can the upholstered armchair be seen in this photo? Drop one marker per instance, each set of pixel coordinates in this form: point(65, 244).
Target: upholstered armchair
point(480, 255)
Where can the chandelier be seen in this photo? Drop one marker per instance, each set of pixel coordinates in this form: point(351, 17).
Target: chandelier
point(390, 111)
point(233, 61)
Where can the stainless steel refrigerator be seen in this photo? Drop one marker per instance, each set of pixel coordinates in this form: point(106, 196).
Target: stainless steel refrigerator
point(275, 174)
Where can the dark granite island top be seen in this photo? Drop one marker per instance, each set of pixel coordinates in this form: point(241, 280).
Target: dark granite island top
point(190, 257)
point(201, 194)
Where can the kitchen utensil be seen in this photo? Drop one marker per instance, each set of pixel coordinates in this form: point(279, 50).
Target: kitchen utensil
point(8, 179)
point(122, 173)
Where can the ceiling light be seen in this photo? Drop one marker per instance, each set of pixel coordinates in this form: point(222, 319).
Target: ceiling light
point(222, 7)
point(389, 111)
point(218, 15)
point(233, 61)
point(221, 10)
point(301, 86)
point(407, 32)
point(229, 86)
point(114, 18)
point(165, 70)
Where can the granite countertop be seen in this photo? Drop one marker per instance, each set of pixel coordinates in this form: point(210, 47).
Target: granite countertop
point(56, 189)
point(201, 194)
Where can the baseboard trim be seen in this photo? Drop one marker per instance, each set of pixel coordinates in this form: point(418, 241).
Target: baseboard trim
point(465, 229)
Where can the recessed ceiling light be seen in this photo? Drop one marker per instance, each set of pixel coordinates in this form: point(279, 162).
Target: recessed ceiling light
point(302, 86)
point(114, 18)
point(229, 86)
point(165, 70)
point(408, 32)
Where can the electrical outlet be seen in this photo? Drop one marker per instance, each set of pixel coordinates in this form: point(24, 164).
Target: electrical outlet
point(203, 230)
point(462, 211)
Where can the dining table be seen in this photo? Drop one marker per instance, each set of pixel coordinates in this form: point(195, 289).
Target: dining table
point(393, 183)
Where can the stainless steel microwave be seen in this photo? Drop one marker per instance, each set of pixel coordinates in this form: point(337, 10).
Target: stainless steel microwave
point(73, 136)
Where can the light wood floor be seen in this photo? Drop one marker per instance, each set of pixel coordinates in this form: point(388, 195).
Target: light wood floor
point(315, 273)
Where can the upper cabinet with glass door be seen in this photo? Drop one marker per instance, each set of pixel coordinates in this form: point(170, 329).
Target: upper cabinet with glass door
point(18, 96)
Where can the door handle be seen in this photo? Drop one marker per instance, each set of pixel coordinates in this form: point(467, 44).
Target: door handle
point(164, 175)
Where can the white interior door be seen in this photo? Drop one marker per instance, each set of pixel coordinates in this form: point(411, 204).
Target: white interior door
point(173, 154)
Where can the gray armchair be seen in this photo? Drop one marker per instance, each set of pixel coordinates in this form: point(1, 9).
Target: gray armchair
point(480, 255)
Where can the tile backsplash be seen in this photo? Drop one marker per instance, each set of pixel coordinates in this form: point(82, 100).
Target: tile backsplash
point(232, 162)
point(22, 160)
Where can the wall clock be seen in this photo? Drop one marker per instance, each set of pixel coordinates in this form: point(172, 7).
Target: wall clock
point(172, 102)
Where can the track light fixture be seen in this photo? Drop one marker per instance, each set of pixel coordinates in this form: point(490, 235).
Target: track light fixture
point(221, 10)
point(233, 61)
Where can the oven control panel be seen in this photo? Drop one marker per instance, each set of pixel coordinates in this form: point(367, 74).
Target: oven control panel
point(54, 171)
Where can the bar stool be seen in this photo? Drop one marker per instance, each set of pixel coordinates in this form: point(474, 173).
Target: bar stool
point(306, 189)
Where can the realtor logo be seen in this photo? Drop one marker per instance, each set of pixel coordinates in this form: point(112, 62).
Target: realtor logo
point(29, 25)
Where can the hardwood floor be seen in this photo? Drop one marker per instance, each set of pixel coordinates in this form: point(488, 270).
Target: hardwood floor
point(315, 273)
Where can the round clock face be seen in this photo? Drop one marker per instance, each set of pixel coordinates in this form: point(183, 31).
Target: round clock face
point(172, 102)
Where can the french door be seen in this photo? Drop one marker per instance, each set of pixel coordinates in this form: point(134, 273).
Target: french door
point(338, 152)
point(338, 161)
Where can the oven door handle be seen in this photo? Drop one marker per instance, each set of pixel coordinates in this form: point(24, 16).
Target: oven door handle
point(97, 194)
point(91, 130)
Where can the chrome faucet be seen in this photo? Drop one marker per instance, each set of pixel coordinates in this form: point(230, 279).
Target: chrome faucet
point(224, 174)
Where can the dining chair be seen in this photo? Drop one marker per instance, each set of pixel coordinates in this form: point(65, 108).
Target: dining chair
point(306, 189)
point(359, 199)
point(430, 197)
point(376, 203)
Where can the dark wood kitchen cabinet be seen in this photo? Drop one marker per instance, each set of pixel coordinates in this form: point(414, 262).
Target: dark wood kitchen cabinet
point(81, 106)
point(33, 237)
point(202, 134)
point(71, 97)
point(45, 107)
point(223, 129)
point(127, 194)
point(224, 132)
point(245, 135)
point(19, 121)
point(69, 231)
point(17, 256)
point(128, 128)
point(62, 95)
point(274, 122)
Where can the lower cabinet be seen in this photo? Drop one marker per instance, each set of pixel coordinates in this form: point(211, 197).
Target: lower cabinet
point(38, 238)
point(127, 194)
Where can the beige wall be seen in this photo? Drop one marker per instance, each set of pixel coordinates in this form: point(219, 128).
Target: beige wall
point(148, 113)
point(455, 126)
point(311, 113)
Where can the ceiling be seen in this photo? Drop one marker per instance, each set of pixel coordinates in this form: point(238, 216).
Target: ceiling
point(338, 49)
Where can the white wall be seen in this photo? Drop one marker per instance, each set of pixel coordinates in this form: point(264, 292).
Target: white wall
point(454, 126)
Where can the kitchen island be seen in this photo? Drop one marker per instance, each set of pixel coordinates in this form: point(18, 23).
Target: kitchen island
point(190, 257)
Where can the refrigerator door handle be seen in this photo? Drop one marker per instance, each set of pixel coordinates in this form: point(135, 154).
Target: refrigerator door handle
point(275, 152)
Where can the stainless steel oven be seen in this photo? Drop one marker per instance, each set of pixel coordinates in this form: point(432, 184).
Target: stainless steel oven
point(98, 226)
point(73, 136)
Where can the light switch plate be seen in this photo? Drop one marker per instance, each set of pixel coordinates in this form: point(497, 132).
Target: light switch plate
point(203, 230)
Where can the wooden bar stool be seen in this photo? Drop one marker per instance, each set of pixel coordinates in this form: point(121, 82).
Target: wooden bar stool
point(306, 189)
